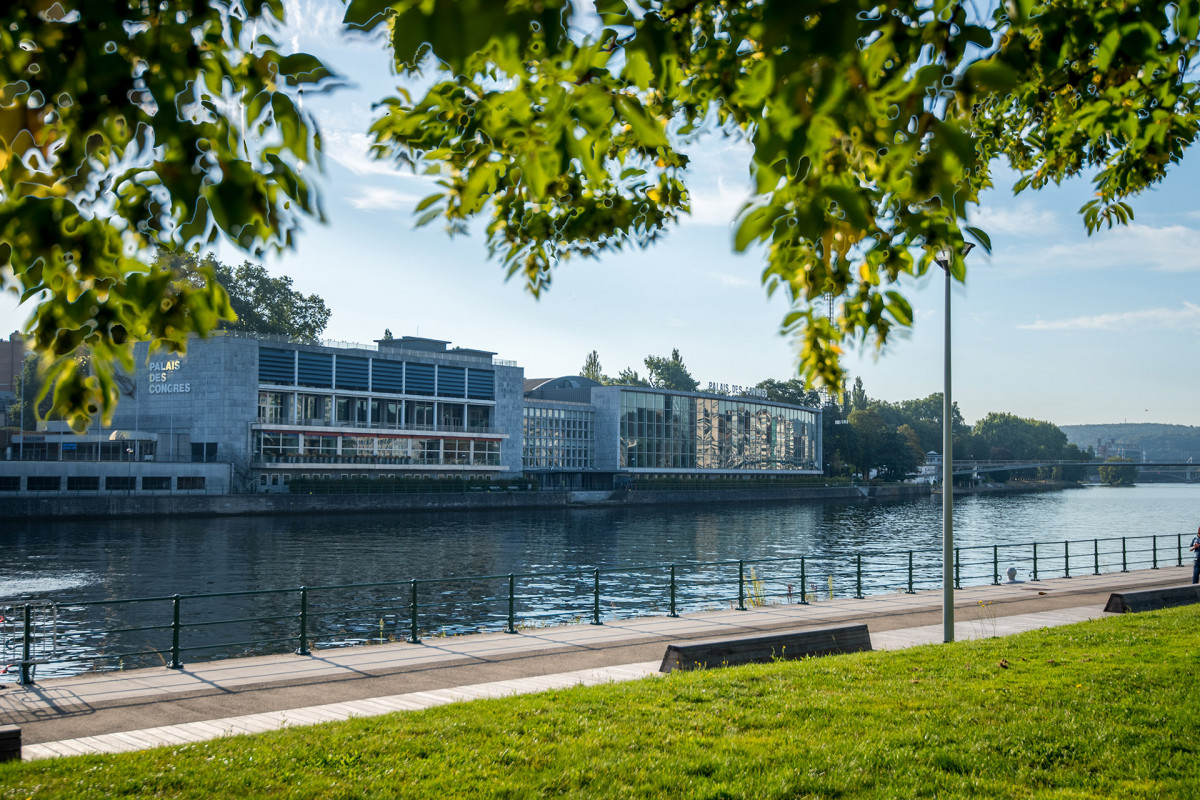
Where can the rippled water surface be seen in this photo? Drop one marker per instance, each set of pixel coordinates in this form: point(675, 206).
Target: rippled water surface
point(75, 562)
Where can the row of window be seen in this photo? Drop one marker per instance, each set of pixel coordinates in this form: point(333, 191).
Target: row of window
point(290, 408)
point(363, 373)
point(330, 448)
point(558, 438)
point(673, 432)
point(112, 483)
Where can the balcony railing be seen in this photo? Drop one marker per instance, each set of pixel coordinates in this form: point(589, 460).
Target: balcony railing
point(375, 425)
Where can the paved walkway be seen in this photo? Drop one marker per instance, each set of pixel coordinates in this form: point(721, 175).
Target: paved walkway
point(136, 709)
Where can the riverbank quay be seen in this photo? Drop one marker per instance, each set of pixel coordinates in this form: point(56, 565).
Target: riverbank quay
point(137, 709)
point(55, 506)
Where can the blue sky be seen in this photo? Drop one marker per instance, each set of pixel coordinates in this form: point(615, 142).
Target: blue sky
point(1053, 325)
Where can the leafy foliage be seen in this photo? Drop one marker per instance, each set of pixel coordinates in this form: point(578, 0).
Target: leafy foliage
point(261, 303)
point(129, 125)
point(874, 125)
point(592, 369)
point(1118, 472)
point(670, 373)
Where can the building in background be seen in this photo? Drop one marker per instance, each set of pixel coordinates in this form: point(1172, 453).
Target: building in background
point(249, 413)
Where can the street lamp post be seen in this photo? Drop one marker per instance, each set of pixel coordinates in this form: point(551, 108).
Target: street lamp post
point(945, 259)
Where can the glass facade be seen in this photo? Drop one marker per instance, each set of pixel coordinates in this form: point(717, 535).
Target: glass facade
point(681, 432)
point(558, 437)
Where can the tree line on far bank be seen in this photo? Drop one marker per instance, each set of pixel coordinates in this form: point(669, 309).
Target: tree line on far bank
point(890, 440)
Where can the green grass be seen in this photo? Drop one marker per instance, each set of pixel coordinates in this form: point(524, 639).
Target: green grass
point(1103, 709)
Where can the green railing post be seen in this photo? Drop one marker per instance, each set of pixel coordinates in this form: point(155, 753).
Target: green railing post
point(1035, 571)
point(957, 570)
point(995, 565)
point(512, 604)
point(596, 597)
point(858, 595)
point(1154, 552)
point(1096, 556)
point(1066, 559)
point(741, 585)
point(26, 673)
point(1124, 562)
point(910, 573)
point(803, 584)
point(1179, 549)
point(413, 636)
point(175, 662)
point(302, 649)
point(672, 614)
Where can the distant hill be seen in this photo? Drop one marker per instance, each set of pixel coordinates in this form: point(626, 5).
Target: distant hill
point(1161, 442)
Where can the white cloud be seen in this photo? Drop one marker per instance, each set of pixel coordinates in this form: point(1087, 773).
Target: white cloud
point(718, 205)
point(378, 198)
point(734, 281)
point(1024, 219)
point(1185, 318)
point(1174, 248)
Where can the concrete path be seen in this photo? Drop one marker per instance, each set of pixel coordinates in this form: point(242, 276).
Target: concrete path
point(137, 709)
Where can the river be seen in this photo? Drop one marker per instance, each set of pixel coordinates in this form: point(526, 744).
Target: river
point(75, 562)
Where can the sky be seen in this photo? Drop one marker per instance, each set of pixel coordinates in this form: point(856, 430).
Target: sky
point(1053, 325)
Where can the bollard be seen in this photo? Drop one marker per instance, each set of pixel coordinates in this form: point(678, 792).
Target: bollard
point(1096, 556)
point(858, 578)
point(1035, 575)
point(910, 573)
point(1124, 564)
point(1066, 559)
point(10, 743)
point(995, 565)
point(803, 584)
point(26, 676)
point(512, 604)
point(741, 586)
point(672, 613)
point(413, 636)
point(302, 650)
point(957, 570)
point(1154, 552)
point(596, 597)
point(175, 662)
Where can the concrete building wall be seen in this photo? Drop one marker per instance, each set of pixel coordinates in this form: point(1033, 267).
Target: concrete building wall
point(510, 410)
point(607, 401)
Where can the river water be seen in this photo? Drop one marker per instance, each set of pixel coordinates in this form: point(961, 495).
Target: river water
point(73, 563)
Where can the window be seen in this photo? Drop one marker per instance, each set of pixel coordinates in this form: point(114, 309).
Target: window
point(352, 412)
point(274, 445)
point(313, 409)
point(190, 482)
point(262, 479)
point(386, 413)
point(479, 418)
point(10, 483)
point(156, 483)
point(427, 451)
point(456, 451)
point(451, 417)
point(320, 446)
point(43, 483)
point(275, 407)
point(83, 483)
point(203, 452)
point(419, 415)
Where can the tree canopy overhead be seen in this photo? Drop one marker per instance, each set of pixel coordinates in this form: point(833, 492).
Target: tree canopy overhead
point(873, 124)
point(128, 125)
point(565, 124)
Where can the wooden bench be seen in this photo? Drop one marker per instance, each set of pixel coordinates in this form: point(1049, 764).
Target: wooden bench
point(766, 648)
point(1152, 599)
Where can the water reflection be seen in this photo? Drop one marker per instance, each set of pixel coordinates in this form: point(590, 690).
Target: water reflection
point(73, 563)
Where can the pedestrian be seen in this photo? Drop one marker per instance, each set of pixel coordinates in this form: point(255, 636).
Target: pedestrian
point(1195, 548)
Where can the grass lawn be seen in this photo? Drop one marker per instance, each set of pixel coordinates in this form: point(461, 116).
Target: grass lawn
point(1102, 709)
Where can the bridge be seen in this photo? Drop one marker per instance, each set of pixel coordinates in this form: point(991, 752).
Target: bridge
point(966, 466)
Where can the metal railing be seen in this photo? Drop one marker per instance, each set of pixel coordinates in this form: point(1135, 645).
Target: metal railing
point(68, 637)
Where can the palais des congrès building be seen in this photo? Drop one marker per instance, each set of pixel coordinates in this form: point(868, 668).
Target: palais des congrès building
point(245, 413)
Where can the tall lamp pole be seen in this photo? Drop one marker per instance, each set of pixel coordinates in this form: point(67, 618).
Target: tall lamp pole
point(945, 259)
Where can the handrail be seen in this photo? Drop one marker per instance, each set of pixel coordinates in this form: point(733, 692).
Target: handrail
point(408, 608)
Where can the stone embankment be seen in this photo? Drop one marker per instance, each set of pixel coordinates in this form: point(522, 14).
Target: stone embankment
point(109, 506)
